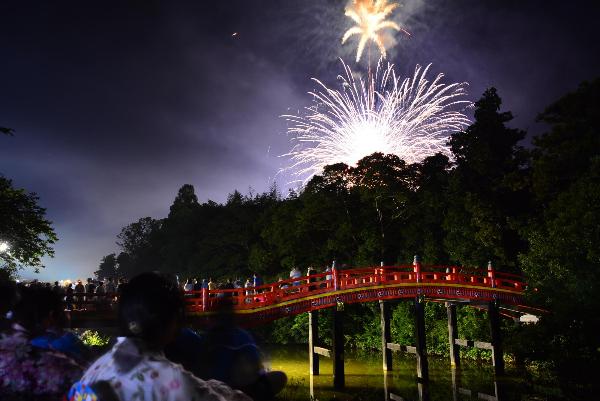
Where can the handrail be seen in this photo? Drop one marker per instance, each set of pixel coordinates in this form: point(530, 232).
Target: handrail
point(329, 282)
point(336, 280)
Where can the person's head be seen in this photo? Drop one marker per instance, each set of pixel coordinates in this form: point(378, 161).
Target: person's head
point(89, 280)
point(38, 309)
point(56, 283)
point(150, 308)
point(110, 279)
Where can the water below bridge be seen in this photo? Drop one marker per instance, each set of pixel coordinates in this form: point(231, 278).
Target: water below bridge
point(365, 379)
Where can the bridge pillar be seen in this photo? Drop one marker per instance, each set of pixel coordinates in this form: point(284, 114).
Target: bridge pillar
point(338, 346)
point(313, 340)
point(497, 353)
point(421, 345)
point(453, 335)
point(386, 335)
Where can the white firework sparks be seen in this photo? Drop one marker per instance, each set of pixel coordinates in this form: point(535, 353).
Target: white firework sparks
point(411, 118)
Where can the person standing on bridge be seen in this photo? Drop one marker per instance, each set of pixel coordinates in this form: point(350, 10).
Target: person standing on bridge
point(295, 273)
point(311, 270)
point(257, 281)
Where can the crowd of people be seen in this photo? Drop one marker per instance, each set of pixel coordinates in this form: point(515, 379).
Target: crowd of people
point(155, 358)
point(252, 284)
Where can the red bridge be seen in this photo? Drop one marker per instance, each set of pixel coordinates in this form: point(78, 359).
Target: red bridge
point(324, 290)
point(293, 296)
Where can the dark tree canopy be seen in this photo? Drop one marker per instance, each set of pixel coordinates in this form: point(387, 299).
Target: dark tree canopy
point(108, 267)
point(185, 202)
point(488, 191)
point(563, 259)
point(564, 153)
point(24, 227)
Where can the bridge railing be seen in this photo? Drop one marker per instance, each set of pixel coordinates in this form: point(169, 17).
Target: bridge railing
point(327, 282)
point(249, 298)
point(306, 286)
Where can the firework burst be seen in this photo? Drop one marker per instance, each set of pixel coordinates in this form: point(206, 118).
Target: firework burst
point(411, 118)
point(370, 18)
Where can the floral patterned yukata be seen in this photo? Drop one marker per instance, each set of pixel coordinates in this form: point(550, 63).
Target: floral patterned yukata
point(136, 373)
point(31, 373)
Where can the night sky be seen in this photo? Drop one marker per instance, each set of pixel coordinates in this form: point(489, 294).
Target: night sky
point(115, 105)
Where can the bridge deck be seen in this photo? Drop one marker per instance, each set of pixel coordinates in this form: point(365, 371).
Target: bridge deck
point(297, 295)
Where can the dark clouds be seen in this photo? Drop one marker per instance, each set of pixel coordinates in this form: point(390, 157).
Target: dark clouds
point(117, 104)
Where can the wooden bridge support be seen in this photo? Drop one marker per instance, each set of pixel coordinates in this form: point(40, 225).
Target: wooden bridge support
point(497, 353)
point(421, 345)
point(386, 335)
point(453, 335)
point(313, 340)
point(338, 347)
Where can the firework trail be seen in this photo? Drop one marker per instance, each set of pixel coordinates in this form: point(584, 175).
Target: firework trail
point(370, 18)
point(411, 118)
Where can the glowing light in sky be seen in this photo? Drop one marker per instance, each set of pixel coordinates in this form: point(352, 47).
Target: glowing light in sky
point(411, 118)
point(3, 247)
point(370, 18)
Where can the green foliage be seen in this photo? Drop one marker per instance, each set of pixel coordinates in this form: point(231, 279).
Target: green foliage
point(488, 189)
point(563, 259)
point(93, 338)
point(24, 227)
point(289, 330)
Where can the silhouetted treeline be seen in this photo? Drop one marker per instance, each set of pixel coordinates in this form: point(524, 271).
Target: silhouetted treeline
point(535, 210)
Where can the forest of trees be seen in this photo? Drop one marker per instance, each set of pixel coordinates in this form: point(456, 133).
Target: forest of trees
point(533, 209)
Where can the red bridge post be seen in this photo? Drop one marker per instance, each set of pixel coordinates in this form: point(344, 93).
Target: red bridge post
point(204, 299)
point(334, 276)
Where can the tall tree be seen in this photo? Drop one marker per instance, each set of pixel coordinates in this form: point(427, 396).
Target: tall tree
point(23, 228)
point(140, 241)
point(107, 267)
point(426, 209)
point(384, 184)
point(488, 188)
point(182, 232)
point(563, 260)
point(186, 201)
point(564, 153)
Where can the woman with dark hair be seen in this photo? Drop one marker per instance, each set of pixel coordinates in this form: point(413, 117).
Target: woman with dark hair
point(150, 311)
point(29, 372)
